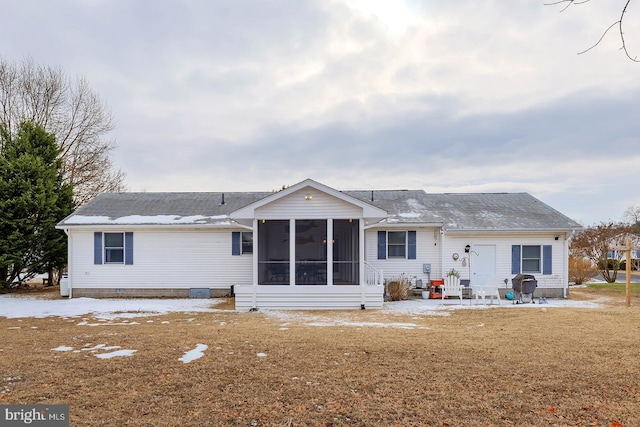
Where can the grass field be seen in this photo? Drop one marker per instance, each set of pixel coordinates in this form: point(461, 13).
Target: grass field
point(494, 367)
point(616, 288)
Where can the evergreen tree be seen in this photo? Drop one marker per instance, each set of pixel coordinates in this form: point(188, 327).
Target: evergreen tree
point(33, 198)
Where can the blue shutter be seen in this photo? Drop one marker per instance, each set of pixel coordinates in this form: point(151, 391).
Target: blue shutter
point(515, 259)
point(235, 243)
point(546, 260)
point(97, 247)
point(382, 245)
point(128, 248)
point(411, 244)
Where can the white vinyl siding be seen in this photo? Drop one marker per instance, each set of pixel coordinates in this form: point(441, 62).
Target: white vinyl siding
point(321, 205)
point(164, 259)
point(427, 251)
point(455, 243)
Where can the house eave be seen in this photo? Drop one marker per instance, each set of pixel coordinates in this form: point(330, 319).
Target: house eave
point(404, 225)
point(148, 226)
point(510, 230)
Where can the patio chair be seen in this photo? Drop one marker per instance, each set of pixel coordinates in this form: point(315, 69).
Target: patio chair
point(452, 287)
point(487, 290)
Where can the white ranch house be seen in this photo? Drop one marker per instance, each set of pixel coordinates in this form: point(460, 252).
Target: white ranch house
point(309, 246)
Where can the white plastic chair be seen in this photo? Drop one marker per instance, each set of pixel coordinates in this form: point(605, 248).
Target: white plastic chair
point(451, 287)
point(488, 290)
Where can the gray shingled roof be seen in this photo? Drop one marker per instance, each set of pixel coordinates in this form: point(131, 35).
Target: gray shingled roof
point(455, 212)
point(497, 211)
point(474, 211)
point(160, 208)
point(403, 206)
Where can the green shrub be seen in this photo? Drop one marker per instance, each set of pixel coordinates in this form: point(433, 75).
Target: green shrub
point(634, 264)
point(611, 264)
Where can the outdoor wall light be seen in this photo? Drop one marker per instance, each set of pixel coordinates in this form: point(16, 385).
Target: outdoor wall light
point(467, 249)
point(556, 237)
point(308, 197)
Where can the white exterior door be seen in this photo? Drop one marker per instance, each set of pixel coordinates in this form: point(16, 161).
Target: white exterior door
point(483, 263)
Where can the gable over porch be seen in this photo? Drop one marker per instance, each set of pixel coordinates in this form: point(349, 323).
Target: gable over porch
point(308, 250)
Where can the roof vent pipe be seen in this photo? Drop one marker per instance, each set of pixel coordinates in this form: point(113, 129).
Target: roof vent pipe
point(222, 202)
point(372, 195)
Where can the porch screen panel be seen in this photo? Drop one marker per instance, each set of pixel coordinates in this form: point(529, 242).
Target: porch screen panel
point(311, 252)
point(273, 252)
point(346, 252)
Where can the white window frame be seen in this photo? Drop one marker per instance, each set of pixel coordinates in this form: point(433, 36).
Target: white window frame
point(523, 259)
point(244, 248)
point(109, 249)
point(405, 244)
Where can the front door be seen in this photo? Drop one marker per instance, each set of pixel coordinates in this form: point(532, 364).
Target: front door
point(483, 264)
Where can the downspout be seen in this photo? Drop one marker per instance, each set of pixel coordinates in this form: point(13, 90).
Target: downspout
point(69, 252)
point(254, 262)
point(442, 240)
point(361, 261)
point(565, 289)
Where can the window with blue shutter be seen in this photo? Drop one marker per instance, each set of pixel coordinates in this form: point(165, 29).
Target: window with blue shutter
point(547, 260)
point(411, 245)
point(97, 247)
point(236, 244)
point(382, 245)
point(113, 248)
point(515, 259)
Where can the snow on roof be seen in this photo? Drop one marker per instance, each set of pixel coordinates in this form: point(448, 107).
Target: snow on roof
point(147, 219)
point(454, 212)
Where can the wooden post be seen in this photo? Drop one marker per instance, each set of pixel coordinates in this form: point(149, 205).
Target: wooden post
point(628, 288)
point(627, 248)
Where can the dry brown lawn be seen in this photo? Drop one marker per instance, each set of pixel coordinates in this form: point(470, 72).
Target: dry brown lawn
point(496, 367)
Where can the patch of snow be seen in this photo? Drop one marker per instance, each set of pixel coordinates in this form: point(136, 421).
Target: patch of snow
point(148, 219)
point(62, 348)
point(415, 204)
point(106, 311)
point(119, 353)
point(410, 215)
point(194, 354)
point(100, 347)
point(14, 306)
point(261, 354)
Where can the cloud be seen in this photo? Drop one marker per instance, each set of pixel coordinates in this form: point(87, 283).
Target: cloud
point(445, 96)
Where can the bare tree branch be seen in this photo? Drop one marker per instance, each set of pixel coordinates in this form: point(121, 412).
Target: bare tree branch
point(619, 23)
point(71, 111)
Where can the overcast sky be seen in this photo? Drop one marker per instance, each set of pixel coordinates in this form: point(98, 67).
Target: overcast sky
point(445, 96)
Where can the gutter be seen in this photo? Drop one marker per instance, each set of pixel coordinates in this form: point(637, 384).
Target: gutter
point(69, 252)
point(151, 226)
point(510, 230)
